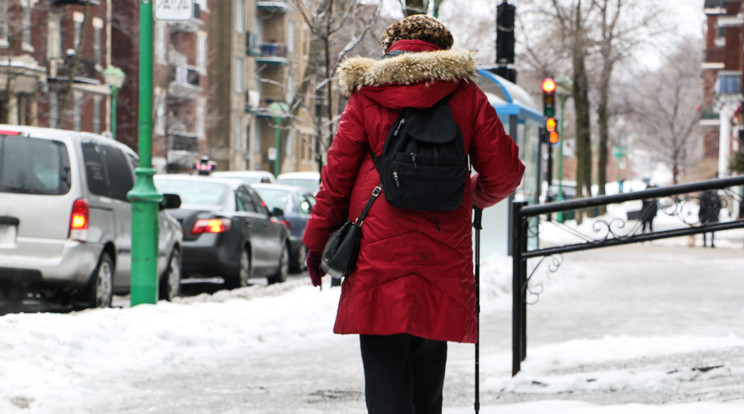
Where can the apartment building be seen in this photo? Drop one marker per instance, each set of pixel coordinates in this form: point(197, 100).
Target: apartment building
point(52, 54)
point(214, 84)
point(261, 53)
point(722, 83)
point(180, 83)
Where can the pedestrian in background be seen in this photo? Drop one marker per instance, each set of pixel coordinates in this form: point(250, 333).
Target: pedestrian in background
point(413, 287)
point(710, 209)
point(649, 208)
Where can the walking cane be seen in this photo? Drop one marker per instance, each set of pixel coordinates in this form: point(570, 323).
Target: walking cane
point(477, 215)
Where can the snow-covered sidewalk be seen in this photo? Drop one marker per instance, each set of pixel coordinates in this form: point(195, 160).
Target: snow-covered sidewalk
point(654, 328)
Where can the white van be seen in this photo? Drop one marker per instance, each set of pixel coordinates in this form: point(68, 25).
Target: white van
point(65, 221)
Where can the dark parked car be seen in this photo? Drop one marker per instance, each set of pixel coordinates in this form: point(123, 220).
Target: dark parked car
point(296, 204)
point(227, 230)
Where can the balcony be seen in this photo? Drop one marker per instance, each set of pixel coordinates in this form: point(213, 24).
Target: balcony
point(85, 71)
point(183, 82)
point(728, 84)
point(273, 53)
point(274, 5)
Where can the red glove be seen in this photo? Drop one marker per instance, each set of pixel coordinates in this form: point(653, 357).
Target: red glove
point(313, 267)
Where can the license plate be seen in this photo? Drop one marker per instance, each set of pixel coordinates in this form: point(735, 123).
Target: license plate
point(8, 235)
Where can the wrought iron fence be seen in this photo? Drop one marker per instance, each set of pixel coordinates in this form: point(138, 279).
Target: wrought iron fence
point(686, 202)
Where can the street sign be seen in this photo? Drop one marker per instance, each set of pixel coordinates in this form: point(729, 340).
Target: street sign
point(618, 151)
point(174, 10)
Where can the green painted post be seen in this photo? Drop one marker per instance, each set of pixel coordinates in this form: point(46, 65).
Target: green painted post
point(144, 196)
point(277, 143)
point(278, 111)
point(114, 92)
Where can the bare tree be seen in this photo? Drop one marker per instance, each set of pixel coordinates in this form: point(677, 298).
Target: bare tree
point(623, 26)
point(667, 107)
point(337, 27)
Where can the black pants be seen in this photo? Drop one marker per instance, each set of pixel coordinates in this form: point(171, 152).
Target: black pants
point(403, 374)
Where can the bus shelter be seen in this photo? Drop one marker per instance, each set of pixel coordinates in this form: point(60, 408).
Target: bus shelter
point(523, 122)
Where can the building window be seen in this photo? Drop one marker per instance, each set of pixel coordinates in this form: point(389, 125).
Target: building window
point(160, 45)
point(26, 29)
point(97, 26)
point(4, 22)
point(78, 19)
point(237, 130)
point(201, 52)
point(291, 37)
point(53, 110)
point(77, 112)
point(238, 75)
point(160, 111)
point(97, 114)
point(239, 23)
point(54, 40)
point(201, 109)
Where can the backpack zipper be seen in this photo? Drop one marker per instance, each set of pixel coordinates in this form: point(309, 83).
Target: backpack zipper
point(402, 121)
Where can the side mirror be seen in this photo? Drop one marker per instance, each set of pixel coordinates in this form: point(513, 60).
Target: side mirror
point(277, 212)
point(170, 201)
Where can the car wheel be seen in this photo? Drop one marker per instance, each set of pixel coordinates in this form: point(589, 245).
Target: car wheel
point(281, 274)
point(170, 283)
point(100, 290)
point(241, 279)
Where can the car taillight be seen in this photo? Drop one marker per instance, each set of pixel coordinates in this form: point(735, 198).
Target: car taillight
point(79, 220)
point(213, 225)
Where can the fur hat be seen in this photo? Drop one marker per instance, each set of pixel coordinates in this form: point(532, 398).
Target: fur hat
point(418, 27)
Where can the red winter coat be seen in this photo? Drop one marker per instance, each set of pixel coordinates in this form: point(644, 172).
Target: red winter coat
point(410, 277)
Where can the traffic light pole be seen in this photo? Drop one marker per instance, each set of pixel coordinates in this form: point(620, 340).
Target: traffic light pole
point(144, 196)
point(563, 98)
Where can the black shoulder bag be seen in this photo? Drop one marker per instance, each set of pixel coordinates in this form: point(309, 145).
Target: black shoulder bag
point(342, 250)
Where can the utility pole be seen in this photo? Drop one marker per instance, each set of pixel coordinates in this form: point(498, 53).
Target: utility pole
point(144, 196)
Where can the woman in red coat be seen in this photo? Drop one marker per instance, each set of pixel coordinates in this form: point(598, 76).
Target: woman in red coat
point(413, 287)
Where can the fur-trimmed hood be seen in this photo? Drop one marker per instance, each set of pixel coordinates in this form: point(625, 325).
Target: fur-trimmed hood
point(406, 69)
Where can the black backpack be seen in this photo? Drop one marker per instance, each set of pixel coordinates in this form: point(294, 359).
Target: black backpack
point(423, 163)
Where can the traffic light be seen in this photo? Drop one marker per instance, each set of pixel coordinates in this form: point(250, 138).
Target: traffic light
point(550, 126)
point(548, 87)
point(505, 33)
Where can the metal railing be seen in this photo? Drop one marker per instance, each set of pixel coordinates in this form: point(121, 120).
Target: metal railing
point(677, 201)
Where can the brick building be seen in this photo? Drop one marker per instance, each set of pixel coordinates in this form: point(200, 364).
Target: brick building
point(722, 82)
point(51, 57)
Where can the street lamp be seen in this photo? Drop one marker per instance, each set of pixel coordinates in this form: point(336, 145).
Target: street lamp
point(114, 78)
point(278, 111)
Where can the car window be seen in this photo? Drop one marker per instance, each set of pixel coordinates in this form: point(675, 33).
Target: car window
point(33, 166)
point(195, 193)
point(273, 197)
point(306, 203)
point(261, 205)
point(308, 184)
point(119, 169)
point(244, 201)
point(95, 173)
